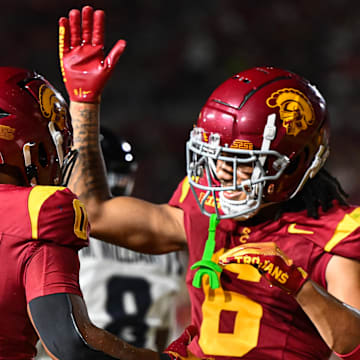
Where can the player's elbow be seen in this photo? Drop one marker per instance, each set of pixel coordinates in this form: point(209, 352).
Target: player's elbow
point(76, 346)
point(62, 336)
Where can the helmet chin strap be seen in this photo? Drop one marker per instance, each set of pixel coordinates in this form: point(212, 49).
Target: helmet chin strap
point(30, 168)
point(318, 162)
point(58, 141)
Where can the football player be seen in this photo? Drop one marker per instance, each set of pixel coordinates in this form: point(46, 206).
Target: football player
point(274, 246)
point(42, 228)
point(130, 294)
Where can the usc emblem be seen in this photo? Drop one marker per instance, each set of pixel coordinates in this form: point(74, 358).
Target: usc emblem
point(7, 132)
point(51, 106)
point(295, 109)
point(242, 144)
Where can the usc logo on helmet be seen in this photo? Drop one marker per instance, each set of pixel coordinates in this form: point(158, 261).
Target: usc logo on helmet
point(51, 106)
point(7, 132)
point(242, 144)
point(295, 109)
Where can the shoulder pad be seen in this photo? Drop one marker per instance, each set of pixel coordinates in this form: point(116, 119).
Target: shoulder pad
point(345, 239)
point(57, 215)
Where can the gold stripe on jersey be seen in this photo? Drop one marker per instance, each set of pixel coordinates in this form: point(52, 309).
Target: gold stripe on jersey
point(346, 226)
point(184, 189)
point(38, 195)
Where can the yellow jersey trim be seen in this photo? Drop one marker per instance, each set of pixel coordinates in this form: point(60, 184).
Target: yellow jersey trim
point(184, 189)
point(38, 195)
point(346, 226)
point(81, 220)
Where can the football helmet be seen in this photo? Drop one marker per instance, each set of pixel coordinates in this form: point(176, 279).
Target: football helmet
point(35, 127)
point(120, 162)
point(268, 118)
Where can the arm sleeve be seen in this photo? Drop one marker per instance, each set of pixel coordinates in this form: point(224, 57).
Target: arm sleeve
point(63, 340)
point(52, 269)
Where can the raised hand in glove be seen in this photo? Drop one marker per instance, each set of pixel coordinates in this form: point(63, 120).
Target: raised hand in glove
point(177, 350)
point(84, 67)
point(271, 262)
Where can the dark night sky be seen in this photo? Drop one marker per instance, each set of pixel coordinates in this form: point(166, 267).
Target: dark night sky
point(178, 52)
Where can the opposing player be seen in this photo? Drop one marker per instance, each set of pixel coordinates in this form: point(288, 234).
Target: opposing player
point(255, 178)
point(130, 294)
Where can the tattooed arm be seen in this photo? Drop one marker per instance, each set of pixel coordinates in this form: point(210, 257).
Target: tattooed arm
point(85, 71)
point(124, 221)
point(88, 178)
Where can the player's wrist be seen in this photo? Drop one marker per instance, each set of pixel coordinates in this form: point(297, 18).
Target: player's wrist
point(85, 120)
point(92, 101)
point(82, 96)
point(79, 102)
point(89, 110)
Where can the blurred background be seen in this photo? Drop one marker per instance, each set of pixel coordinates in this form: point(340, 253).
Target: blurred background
point(178, 52)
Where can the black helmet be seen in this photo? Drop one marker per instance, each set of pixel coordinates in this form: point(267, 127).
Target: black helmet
point(120, 162)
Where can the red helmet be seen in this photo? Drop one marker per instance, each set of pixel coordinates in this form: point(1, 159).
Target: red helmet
point(35, 128)
point(270, 118)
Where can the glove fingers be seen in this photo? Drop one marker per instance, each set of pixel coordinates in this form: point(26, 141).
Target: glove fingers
point(64, 36)
point(99, 28)
point(115, 54)
point(74, 19)
point(87, 24)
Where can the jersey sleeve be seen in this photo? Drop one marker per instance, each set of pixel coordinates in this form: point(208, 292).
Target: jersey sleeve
point(345, 238)
point(52, 269)
point(318, 272)
point(58, 216)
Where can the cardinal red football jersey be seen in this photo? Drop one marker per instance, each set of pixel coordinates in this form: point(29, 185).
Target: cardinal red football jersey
point(245, 317)
point(41, 230)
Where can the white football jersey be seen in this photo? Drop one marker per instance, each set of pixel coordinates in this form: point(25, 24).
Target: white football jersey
point(130, 294)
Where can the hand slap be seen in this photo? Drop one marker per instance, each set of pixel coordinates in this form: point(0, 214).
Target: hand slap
point(84, 67)
point(271, 262)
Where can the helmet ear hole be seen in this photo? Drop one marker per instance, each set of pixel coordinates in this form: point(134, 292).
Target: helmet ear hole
point(306, 153)
point(292, 166)
point(301, 158)
point(43, 158)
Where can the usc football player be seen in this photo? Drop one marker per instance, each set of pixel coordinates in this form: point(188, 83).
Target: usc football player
point(273, 244)
point(42, 227)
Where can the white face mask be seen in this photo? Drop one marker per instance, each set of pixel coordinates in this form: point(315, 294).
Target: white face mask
point(244, 208)
point(202, 156)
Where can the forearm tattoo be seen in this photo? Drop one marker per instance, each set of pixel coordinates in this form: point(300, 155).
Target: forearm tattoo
point(88, 179)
